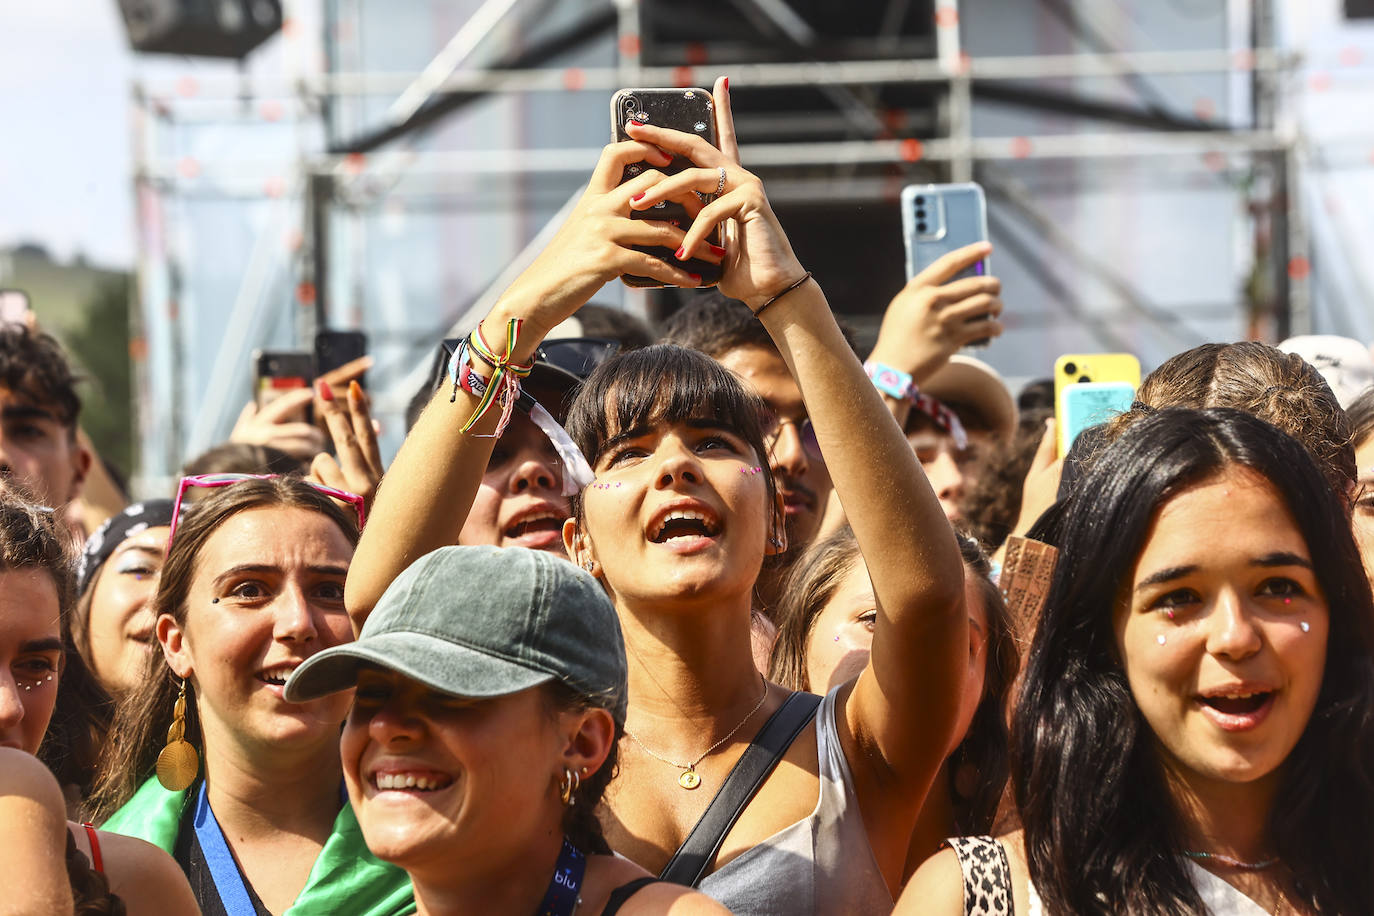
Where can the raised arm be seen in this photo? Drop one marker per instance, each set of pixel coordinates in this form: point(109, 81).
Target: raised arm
point(428, 491)
point(900, 715)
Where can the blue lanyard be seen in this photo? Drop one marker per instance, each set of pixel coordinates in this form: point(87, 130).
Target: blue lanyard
point(224, 871)
point(561, 897)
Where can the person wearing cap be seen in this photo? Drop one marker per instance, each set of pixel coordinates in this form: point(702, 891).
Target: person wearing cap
point(1345, 363)
point(950, 405)
point(112, 627)
point(961, 412)
point(521, 495)
point(483, 734)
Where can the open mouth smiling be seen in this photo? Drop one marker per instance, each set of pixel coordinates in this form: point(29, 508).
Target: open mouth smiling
point(410, 781)
point(1237, 708)
point(685, 523)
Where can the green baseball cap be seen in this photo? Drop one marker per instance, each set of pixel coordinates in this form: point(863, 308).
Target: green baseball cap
point(484, 622)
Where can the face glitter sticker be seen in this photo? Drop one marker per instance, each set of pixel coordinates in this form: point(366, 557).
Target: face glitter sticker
point(1161, 639)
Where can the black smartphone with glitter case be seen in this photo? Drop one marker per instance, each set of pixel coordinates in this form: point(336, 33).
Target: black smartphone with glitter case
point(692, 112)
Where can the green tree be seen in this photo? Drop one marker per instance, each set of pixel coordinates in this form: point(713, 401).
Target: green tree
point(100, 346)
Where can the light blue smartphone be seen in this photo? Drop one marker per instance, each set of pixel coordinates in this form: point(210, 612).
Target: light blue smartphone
point(937, 219)
point(1086, 404)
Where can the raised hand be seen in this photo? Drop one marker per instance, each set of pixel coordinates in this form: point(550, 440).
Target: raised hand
point(358, 465)
point(758, 259)
point(595, 243)
point(933, 315)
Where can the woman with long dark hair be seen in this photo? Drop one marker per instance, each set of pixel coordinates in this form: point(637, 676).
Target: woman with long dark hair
point(676, 524)
point(1194, 733)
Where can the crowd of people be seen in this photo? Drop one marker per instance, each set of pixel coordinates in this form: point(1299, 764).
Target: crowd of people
point(711, 620)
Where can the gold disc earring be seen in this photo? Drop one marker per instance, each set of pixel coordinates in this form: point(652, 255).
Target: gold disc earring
point(178, 763)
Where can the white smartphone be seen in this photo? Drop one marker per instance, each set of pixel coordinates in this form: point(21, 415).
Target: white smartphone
point(939, 218)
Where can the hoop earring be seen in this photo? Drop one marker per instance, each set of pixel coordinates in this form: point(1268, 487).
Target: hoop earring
point(178, 763)
point(567, 787)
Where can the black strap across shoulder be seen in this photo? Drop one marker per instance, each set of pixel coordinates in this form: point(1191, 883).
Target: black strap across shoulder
point(688, 864)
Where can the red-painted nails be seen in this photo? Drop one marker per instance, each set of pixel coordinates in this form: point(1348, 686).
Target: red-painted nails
point(696, 278)
point(726, 83)
point(325, 392)
point(716, 250)
point(355, 391)
point(680, 253)
point(639, 196)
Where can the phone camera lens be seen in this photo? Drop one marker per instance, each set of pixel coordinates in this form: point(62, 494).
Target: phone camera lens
point(920, 227)
point(1070, 368)
point(920, 214)
point(920, 201)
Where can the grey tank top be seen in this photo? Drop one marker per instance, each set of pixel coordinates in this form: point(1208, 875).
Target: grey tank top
point(821, 864)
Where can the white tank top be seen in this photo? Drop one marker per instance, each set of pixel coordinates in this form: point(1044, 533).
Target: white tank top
point(821, 864)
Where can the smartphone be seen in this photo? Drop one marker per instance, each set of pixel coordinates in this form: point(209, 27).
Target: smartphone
point(939, 218)
point(1085, 404)
point(335, 348)
point(277, 372)
point(690, 111)
point(1086, 368)
point(14, 306)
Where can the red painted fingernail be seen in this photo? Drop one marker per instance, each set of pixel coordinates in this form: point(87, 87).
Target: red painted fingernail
point(716, 250)
point(696, 278)
point(639, 196)
point(726, 84)
point(355, 391)
point(680, 253)
point(326, 393)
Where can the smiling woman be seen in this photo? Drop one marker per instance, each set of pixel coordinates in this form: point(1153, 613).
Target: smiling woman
point(1194, 733)
point(246, 789)
point(483, 735)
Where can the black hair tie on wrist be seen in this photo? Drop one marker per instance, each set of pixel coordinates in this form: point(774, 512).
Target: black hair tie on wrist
point(759, 311)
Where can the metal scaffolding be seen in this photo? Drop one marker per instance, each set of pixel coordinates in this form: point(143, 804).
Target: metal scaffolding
point(295, 243)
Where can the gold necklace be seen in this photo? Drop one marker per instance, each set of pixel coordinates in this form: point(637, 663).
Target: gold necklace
point(690, 779)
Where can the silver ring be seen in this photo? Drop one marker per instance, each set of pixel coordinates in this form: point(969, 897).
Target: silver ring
point(720, 186)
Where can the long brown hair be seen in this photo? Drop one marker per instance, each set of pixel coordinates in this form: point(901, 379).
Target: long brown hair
point(811, 584)
point(143, 716)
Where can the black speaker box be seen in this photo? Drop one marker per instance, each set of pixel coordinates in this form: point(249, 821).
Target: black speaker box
point(204, 28)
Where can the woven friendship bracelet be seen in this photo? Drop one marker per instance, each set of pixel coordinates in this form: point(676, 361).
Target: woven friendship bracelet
point(504, 385)
point(759, 311)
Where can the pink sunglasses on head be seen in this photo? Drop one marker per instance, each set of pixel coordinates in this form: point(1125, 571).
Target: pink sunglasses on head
point(224, 480)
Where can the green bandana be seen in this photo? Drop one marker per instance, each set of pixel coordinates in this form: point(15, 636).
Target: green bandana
point(347, 879)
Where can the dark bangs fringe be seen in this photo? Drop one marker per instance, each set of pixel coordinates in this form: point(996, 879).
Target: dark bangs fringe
point(663, 383)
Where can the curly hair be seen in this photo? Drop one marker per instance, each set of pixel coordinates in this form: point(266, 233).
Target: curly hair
point(33, 364)
point(1280, 388)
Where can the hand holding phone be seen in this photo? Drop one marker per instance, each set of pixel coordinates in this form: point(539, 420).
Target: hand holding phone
point(935, 315)
point(690, 111)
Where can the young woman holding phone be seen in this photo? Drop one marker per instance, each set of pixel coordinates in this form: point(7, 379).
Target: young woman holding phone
point(676, 526)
